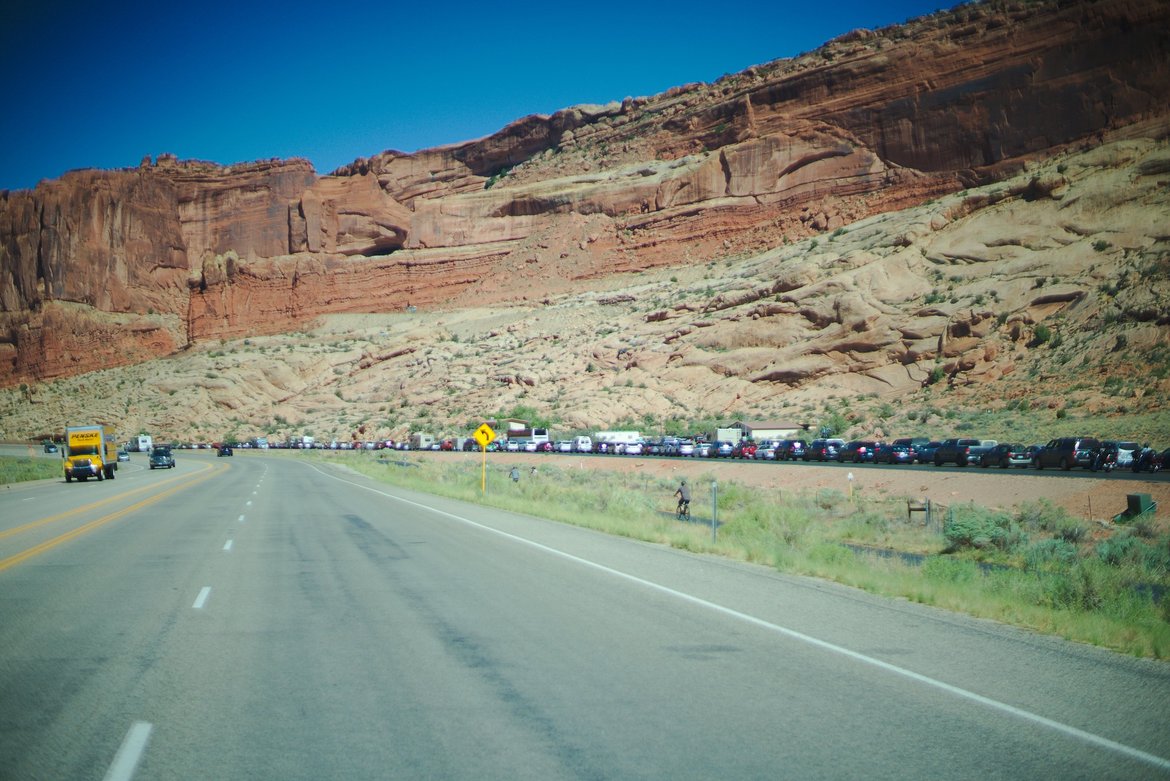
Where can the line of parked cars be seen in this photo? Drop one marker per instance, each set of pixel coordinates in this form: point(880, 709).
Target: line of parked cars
point(1061, 453)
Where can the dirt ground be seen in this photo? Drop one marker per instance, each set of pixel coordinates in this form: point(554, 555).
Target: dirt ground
point(1096, 498)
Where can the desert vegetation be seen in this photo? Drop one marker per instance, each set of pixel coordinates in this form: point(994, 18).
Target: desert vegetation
point(18, 469)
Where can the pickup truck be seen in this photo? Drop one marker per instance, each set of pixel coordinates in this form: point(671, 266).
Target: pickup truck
point(962, 451)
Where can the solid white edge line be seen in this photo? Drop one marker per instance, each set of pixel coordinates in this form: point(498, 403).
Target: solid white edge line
point(1066, 729)
point(130, 752)
point(201, 600)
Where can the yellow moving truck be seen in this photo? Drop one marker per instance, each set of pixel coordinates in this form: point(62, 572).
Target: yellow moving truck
point(90, 451)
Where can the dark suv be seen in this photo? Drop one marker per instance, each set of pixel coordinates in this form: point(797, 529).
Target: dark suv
point(858, 451)
point(957, 451)
point(1067, 452)
point(791, 450)
point(823, 450)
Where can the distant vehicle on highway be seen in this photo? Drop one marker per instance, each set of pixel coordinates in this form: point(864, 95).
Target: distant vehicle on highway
point(161, 457)
point(223, 451)
point(123, 455)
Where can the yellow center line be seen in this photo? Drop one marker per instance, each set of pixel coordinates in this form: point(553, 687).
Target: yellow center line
point(47, 545)
point(94, 505)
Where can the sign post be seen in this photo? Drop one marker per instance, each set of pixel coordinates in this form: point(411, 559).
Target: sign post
point(484, 436)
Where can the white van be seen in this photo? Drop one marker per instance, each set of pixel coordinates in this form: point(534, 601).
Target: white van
point(582, 445)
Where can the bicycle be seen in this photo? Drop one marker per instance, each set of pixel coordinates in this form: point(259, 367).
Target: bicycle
point(684, 510)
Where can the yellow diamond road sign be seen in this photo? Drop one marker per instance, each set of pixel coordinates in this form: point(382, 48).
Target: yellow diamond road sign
point(484, 435)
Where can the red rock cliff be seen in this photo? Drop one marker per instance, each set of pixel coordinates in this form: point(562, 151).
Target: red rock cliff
point(100, 268)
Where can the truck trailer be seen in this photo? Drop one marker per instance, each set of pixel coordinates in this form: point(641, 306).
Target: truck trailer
point(90, 451)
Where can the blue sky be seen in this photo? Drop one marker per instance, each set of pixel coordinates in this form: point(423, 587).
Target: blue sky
point(101, 85)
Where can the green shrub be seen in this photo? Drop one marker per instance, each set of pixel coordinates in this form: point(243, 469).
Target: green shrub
point(946, 570)
point(1042, 515)
point(1156, 559)
point(980, 528)
point(1070, 530)
point(1121, 550)
point(1050, 554)
point(1080, 587)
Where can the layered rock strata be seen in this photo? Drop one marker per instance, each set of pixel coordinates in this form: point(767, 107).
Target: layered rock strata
point(873, 121)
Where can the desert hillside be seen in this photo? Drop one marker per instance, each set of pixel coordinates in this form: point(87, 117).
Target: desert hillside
point(101, 269)
point(1042, 298)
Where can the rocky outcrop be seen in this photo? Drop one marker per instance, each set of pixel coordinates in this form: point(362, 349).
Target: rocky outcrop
point(871, 122)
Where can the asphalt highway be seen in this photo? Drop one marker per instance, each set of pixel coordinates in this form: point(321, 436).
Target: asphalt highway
point(262, 616)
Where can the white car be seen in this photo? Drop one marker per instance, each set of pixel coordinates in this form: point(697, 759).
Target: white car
point(635, 448)
point(512, 446)
point(686, 448)
point(529, 447)
point(564, 446)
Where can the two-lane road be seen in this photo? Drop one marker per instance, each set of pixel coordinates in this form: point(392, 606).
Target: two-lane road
point(272, 618)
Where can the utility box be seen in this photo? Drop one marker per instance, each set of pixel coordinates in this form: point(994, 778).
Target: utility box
point(1136, 504)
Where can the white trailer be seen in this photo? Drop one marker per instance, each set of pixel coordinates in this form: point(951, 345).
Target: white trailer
point(616, 437)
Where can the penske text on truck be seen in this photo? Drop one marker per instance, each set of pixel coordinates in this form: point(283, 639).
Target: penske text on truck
point(90, 451)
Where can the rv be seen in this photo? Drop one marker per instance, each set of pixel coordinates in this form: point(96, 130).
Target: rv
point(618, 437)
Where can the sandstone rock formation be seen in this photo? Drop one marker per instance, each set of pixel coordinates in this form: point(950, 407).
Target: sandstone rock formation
point(1046, 292)
point(871, 122)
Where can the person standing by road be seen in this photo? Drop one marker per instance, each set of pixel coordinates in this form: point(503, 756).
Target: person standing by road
point(515, 475)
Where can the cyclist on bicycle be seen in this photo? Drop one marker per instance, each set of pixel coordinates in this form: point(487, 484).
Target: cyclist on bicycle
point(684, 498)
